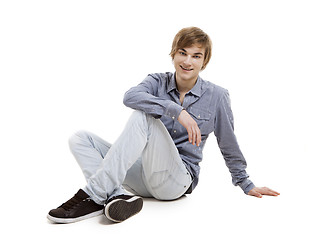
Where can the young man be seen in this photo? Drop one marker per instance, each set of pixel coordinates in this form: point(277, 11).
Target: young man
point(158, 153)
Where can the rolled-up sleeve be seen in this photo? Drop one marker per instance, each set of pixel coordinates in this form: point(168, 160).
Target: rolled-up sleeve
point(145, 97)
point(227, 142)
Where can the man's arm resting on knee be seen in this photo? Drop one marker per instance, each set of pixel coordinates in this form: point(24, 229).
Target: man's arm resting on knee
point(191, 126)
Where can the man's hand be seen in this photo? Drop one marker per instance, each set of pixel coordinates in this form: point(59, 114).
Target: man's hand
point(259, 191)
point(194, 135)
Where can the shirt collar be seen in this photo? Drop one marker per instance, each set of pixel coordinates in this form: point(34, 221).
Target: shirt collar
point(196, 90)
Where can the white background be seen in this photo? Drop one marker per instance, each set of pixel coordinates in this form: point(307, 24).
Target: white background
point(65, 65)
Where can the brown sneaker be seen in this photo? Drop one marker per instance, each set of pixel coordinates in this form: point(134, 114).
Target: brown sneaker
point(122, 207)
point(79, 207)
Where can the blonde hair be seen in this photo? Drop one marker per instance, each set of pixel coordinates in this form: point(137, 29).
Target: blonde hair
point(189, 36)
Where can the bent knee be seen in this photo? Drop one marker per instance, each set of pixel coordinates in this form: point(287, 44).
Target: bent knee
point(139, 115)
point(78, 138)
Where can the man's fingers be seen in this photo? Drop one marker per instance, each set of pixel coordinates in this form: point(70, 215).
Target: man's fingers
point(255, 193)
point(258, 192)
point(193, 131)
point(268, 191)
point(198, 137)
point(194, 136)
point(189, 132)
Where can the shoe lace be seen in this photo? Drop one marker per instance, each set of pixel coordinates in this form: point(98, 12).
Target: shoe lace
point(72, 202)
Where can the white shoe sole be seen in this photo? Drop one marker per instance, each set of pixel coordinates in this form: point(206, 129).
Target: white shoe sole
point(119, 210)
point(72, 220)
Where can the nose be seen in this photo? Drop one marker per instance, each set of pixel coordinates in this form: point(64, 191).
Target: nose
point(188, 60)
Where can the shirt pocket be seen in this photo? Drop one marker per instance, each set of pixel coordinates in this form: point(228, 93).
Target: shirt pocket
point(203, 118)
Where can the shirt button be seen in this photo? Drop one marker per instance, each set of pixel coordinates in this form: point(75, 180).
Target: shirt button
point(175, 131)
point(199, 116)
point(173, 117)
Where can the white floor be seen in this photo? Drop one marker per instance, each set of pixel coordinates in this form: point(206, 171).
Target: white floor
point(193, 217)
point(215, 208)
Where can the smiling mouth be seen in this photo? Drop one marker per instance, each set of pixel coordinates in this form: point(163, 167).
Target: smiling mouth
point(185, 69)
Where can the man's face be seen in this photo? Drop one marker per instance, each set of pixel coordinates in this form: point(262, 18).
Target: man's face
point(188, 62)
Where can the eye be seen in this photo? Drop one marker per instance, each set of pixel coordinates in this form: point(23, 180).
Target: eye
point(182, 53)
point(197, 56)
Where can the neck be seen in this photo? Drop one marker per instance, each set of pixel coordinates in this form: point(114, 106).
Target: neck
point(184, 86)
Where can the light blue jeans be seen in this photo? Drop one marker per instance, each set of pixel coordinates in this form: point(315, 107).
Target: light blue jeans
point(144, 160)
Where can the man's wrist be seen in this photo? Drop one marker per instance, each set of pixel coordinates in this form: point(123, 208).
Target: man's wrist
point(246, 185)
point(173, 110)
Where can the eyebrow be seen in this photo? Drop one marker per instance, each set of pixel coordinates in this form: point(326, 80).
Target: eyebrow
point(198, 53)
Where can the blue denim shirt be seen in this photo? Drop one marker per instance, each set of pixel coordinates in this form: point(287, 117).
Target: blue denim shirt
point(208, 104)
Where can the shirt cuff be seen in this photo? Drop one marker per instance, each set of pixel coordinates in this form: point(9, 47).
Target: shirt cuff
point(173, 110)
point(246, 185)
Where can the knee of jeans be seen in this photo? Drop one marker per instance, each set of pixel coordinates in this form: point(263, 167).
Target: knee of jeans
point(138, 118)
point(139, 115)
point(77, 138)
